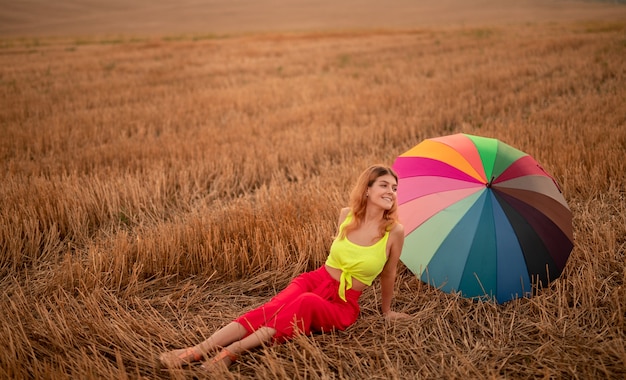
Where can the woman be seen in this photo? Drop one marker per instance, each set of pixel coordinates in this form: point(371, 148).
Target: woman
point(368, 245)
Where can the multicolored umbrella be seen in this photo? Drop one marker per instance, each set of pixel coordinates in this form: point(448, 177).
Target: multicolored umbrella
point(481, 218)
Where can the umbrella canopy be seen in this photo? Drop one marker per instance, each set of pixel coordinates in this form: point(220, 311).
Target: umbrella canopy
point(481, 217)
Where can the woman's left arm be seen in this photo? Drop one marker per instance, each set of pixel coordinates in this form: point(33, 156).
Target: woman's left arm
point(388, 275)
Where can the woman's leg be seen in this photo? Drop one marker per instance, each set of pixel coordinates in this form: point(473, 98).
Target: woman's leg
point(306, 312)
point(244, 327)
point(229, 354)
point(319, 309)
point(310, 312)
point(222, 337)
point(232, 332)
point(259, 317)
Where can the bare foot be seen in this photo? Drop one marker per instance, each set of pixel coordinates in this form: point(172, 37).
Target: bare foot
point(178, 358)
point(224, 359)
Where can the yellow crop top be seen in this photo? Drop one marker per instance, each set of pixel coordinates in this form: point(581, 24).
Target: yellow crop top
point(364, 263)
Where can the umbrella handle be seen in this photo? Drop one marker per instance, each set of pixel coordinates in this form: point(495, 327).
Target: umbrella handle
point(490, 182)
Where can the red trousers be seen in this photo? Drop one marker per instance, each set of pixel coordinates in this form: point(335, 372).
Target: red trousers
point(310, 303)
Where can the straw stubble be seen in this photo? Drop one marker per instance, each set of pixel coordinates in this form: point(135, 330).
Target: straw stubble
point(152, 190)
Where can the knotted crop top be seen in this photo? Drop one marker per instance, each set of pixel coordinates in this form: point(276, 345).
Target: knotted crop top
point(364, 263)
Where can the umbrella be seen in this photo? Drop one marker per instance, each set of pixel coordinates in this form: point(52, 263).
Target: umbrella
point(481, 218)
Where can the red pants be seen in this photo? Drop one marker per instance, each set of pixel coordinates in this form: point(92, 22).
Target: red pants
point(310, 303)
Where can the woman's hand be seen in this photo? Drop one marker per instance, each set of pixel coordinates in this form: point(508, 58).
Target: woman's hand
point(394, 315)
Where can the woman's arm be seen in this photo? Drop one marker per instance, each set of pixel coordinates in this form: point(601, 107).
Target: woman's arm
point(388, 275)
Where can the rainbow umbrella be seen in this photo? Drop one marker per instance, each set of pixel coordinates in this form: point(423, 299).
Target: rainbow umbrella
point(481, 218)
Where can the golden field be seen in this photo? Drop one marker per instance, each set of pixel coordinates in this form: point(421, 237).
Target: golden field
point(153, 188)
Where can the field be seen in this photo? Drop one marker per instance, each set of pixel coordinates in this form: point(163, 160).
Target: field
point(152, 188)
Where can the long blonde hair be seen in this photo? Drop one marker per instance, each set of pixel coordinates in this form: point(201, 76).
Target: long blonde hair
point(358, 200)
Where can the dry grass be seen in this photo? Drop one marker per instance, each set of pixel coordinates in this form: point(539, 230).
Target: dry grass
point(153, 189)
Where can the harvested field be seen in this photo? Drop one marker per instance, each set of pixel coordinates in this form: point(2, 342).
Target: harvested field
point(154, 187)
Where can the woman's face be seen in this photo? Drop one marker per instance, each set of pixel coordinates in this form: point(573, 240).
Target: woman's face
point(383, 191)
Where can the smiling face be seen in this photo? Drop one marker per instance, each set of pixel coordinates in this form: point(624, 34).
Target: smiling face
point(383, 191)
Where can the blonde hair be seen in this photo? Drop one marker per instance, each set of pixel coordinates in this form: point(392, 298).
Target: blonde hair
point(358, 200)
